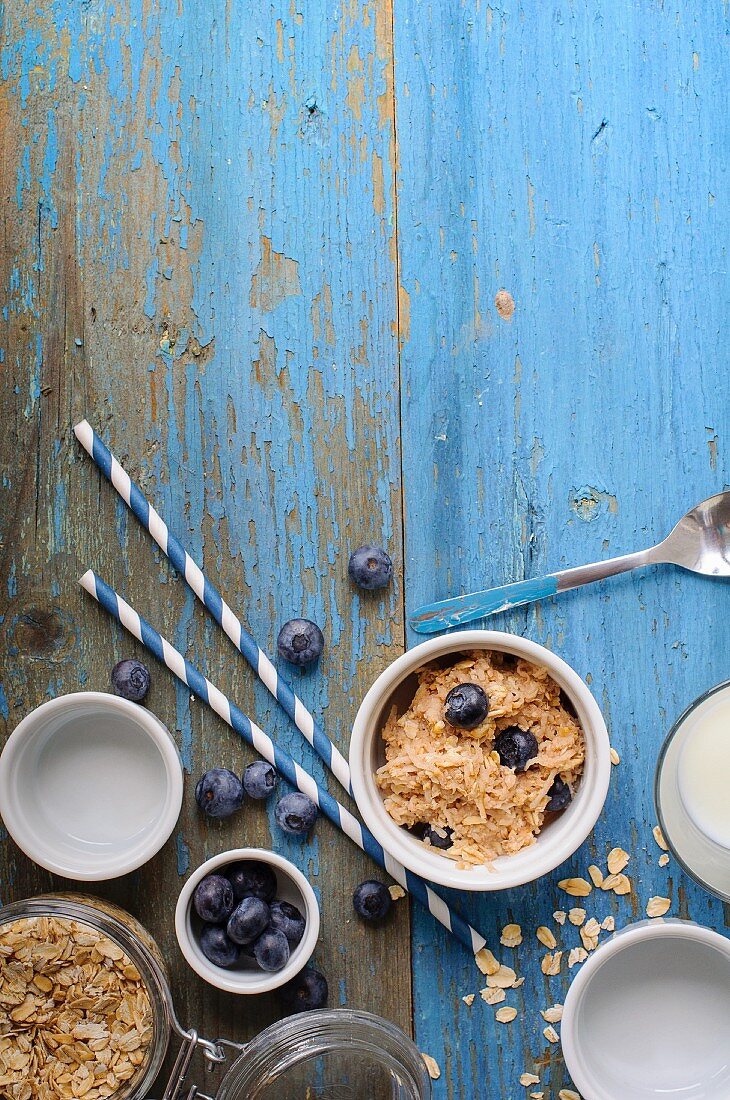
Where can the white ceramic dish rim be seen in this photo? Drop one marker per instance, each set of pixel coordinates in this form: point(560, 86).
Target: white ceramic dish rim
point(556, 844)
point(246, 981)
point(583, 1076)
point(121, 863)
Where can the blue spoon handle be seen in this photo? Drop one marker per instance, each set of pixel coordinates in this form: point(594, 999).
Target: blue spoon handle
point(433, 617)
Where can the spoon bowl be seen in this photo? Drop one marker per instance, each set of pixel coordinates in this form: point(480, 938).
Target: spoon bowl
point(701, 540)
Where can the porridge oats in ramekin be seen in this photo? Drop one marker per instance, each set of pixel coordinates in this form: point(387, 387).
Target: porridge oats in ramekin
point(488, 748)
point(501, 789)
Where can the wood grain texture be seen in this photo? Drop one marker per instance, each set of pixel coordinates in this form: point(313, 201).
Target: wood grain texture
point(571, 157)
point(199, 256)
point(316, 274)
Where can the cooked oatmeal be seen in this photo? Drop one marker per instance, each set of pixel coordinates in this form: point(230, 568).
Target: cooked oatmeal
point(452, 779)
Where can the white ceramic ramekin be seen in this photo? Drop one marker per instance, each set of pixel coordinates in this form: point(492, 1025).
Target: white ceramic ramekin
point(292, 886)
point(91, 785)
point(555, 843)
point(647, 1016)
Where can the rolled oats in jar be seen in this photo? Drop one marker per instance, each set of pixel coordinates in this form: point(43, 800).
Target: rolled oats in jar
point(84, 1001)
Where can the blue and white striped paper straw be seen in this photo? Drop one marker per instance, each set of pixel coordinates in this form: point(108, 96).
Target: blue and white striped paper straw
point(209, 595)
point(281, 760)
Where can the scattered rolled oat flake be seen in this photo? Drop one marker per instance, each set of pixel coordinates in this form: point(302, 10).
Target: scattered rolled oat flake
point(659, 838)
point(511, 935)
point(657, 907)
point(396, 892)
point(608, 924)
point(559, 916)
point(595, 874)
point(577, 916)
point(576, 887)
point(503, 978)
point(663, 860)
point(615, 758)
point(551, 1034)
point(550, 964)
point(469, 999)
point(589, 934)
point(577, 955)
point(432, 1066)
point(486, 961)
point(528, 1079)
point(506, 1015)
point(617, 860)
point(622, 885)
point(568, 1094)
point(546, 938)
point(492, 995)
point(537, 1096)
point(517, 983)
point(553, 1014)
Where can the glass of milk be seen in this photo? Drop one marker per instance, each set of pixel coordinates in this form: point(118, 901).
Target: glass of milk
point(692, 790)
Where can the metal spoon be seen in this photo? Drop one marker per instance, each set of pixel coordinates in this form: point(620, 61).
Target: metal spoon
point(700, 542)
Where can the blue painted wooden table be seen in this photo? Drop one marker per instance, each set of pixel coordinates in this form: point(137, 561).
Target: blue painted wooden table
point(450, 277)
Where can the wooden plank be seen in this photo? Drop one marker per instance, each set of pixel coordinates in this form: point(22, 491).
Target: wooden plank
point(571, 156)
point(199, 256)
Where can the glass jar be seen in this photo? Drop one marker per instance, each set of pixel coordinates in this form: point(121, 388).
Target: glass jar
point(137, 943)
point(337, 1054)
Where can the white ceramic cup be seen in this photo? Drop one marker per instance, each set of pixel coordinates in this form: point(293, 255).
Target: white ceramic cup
point(555, 843)
point(91, 785)
point(647, 1016)
point(291, 886)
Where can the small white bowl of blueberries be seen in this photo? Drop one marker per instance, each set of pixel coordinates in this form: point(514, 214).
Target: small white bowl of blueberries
point(247, 920)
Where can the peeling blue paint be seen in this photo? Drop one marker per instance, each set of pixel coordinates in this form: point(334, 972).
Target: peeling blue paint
point(183, 855)
point(50, 160)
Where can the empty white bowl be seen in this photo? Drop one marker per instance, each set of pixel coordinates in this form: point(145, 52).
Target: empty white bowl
point(557, 841)
point(245, 977)
point(647, 1017)
point(91, 785)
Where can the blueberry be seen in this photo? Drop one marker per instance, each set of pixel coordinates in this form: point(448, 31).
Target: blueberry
point(515, 747)
point(300, 641)
point(213, 899)
point(252, 879)
point(131, 679)
point(219, 793)
point(372, 900)
point(295, 813)
point(217, 947)
point(559, 796)
point(248, 920)
point(287, 919)
point(466, 706)
point(438, 836)
point(247, 952)
point(370, 567)
point(271, 950)
point(259, 779)
point(307, 991)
